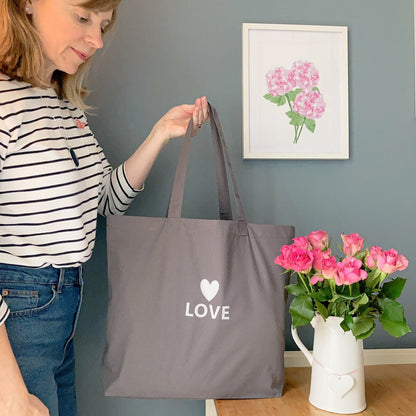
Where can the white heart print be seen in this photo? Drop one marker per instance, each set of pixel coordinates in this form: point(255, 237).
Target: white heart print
point(209, 290)
point(341, 385)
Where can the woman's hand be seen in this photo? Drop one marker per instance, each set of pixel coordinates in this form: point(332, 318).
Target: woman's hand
point(15, 400)
point(36, 407)
point(175, 122)
point(31, 406)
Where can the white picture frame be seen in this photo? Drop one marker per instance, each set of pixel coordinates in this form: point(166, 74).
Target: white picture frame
point(307, 68)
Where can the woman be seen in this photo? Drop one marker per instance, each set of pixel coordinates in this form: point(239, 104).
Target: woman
point(54, 179)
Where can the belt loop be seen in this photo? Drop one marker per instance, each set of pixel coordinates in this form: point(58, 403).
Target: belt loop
point(61, 280)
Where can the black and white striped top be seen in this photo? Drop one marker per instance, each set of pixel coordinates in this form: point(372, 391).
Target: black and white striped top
point(48, 205)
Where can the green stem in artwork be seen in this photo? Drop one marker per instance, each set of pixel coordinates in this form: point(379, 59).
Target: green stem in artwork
point(288, 101)
point(291, 109)
point(300, 131)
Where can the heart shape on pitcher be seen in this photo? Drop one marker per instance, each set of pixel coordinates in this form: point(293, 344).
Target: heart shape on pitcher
point(341, 385)
point(209, 290)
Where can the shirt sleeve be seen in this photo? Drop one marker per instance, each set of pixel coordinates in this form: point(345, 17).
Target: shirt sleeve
point(4, 311)
point(116, 192)
point(4, 141)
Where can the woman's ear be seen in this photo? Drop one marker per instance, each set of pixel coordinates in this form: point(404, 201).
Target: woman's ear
point(28, 7)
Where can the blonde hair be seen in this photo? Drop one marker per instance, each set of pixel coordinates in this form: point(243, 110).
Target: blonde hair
point(21, 56)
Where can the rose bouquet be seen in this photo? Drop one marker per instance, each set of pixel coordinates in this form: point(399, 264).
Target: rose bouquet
point(356, 286)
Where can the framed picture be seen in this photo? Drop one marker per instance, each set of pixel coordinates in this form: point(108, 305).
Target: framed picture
point(295, 92)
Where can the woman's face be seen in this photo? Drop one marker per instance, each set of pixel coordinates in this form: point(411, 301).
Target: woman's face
point(69, 33)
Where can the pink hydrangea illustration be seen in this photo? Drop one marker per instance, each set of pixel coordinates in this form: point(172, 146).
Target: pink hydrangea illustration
point(298, 88)
point(278, 82)
point(309, 104)
point(303, 74)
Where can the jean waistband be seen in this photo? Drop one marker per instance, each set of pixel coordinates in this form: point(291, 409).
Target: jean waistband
point(44, 275)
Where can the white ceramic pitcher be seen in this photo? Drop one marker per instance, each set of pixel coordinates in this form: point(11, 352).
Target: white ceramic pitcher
point(337, 380)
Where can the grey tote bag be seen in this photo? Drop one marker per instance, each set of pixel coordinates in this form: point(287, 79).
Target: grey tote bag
point(196, 306)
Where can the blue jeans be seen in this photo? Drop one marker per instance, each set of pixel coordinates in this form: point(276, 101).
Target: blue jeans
point(44, 306)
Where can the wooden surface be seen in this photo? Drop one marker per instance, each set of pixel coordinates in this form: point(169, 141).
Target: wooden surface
point(390, 391)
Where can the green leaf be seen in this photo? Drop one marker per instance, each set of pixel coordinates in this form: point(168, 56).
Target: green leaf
point(368, 333)
point(310, 124)
point(316, 89)
point(350, 292)
point(327, 292)
point(363, 309)
point(334, 297)
point(344, 326)
point(297, 120)
point(362, 325)
point(274, 99)
point(321, 309)
point(302, 311)
point(361, 255)
point(291, 114)
point(292, 94)
point(392, 317)
point(373, 278)
point(296, 290)
point(391, 309)
point(338, 308)
point(393, 289)
point(349, 321)
point(281, 100)
point(362, 300)
point(319, 296)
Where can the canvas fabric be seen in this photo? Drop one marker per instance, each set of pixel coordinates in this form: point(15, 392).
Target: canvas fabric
point(196, 306)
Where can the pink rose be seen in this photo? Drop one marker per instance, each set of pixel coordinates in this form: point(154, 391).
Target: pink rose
point(315, 279)
point(375, 256)
point(301, 242)
point(386, 261)
point(318, 239)
point(296, 259)
point(353, 244)
point(319, 256)
point(329, 268)
point(278, 82)
point(394, 262)
point(349, 271)
point(283, 259)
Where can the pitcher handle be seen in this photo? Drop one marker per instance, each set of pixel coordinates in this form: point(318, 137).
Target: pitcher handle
point(301, 346)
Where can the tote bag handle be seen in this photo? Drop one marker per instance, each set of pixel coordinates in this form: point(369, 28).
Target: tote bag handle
point(222, 161)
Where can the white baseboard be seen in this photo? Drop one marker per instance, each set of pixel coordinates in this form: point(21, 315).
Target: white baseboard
point(371, 357)
point(210, 409)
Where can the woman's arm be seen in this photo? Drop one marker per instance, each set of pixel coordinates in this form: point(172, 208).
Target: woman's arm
point(15, 400)
point(173, 124)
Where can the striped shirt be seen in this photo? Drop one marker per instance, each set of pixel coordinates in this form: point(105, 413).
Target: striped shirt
point(48, 205)
point(4, 311)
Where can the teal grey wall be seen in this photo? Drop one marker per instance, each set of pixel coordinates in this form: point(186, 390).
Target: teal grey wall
point(167, 52)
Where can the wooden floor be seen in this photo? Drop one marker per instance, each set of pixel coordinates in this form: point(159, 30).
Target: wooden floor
point(390, 391)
